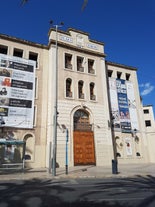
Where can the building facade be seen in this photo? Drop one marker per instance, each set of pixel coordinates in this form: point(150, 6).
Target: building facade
point(149, 130)
point(93, 98)
point(126, 114)
point(35, 137)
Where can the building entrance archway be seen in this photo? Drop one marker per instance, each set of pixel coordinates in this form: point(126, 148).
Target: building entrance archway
point(84, 150)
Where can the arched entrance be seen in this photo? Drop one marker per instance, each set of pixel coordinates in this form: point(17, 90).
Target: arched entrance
point(84, 151)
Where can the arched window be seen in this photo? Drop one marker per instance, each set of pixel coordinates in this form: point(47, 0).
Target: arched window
point(68, 87)
point(81, 120)
point(30, 146)
point(92, 95)
point(80, 89)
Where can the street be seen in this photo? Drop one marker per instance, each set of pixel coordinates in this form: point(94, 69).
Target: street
point(121, 192)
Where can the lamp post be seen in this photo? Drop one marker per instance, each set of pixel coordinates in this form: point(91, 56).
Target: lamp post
point(55, 114)
point(66, 151)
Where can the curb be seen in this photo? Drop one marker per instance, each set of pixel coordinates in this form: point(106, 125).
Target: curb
point(47, 176)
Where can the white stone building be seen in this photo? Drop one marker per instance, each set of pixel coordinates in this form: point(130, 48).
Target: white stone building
point(149, 130)
point(86, 100)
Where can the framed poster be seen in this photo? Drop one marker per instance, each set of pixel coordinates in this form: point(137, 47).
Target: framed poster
point(17, 88)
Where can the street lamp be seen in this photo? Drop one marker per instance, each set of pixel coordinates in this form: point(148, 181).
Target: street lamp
point(55, 99)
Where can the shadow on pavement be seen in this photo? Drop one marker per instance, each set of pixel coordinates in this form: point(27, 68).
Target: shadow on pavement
point(48, 193)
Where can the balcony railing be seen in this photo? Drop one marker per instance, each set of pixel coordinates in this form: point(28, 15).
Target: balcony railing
point(68, 66)
point(69, 94)
point(91, 70)
point(93, 97)
point(81, 95)
point(80, 69)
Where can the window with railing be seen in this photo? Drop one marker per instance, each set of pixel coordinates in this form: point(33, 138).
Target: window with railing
point(80, 67)
point(91, 69)
point(80, 89)
point(91, 88)
point(68, 88)
point(68, 61)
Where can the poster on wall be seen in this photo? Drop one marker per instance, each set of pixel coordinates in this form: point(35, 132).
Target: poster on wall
point(114, 104)
point(17, 88)
point(132, 105)
point(123, 106)
point(128, 146)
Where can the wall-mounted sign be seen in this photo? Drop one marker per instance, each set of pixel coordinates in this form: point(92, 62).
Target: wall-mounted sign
point(92, 46)
point(65, 38)
point(17, 85)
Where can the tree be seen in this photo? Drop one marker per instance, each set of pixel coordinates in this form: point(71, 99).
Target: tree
point(85, 2)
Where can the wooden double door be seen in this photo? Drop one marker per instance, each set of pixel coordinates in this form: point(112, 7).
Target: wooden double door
point(84, 150)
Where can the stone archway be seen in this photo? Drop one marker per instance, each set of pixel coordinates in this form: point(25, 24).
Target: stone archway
point(30, 143)
point(84, 150)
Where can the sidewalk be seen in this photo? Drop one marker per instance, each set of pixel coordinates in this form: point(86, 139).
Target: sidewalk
point(124, 170)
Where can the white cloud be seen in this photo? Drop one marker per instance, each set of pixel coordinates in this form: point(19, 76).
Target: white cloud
point(147, 88)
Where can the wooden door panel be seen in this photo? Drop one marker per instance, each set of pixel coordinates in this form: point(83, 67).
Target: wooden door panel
point(84, 148)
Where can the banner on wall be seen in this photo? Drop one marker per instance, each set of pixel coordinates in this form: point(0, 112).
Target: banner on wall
point(17, 88)
point(114, 104)
point(132, 105)
point(123, 106)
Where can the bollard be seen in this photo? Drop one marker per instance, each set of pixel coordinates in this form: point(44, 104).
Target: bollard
point(114, 167)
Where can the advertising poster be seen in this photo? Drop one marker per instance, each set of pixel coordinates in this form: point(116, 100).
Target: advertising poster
point(132, 105)
point(17, 85)
point(123, 106)
point(114, 104)
point(128, 146)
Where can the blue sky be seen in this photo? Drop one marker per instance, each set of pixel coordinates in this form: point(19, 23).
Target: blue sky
point(127, 28)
